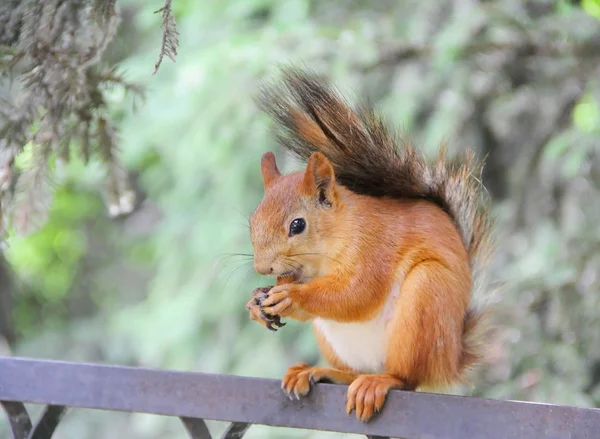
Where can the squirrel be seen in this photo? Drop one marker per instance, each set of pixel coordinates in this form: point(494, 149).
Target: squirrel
point(381, 249)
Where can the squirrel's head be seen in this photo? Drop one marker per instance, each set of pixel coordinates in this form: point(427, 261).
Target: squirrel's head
point(295, 222)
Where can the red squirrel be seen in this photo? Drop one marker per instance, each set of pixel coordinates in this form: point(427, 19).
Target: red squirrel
point(379, 248)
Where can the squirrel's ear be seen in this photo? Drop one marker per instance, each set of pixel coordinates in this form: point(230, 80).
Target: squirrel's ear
point(268, 169)
point(319, 179)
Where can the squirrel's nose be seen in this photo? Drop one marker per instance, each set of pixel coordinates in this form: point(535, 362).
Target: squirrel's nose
point(263, 268)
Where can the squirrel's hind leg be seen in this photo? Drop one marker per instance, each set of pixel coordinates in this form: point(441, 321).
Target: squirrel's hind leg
point(367, 393)
point(426, 329)
point(299, 378)
point(425, 338)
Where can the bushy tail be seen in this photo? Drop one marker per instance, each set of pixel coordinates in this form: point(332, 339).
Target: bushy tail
point(368, 159)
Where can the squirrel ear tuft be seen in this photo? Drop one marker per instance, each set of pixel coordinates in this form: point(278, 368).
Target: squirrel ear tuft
point(319, 179)
point(268, 169)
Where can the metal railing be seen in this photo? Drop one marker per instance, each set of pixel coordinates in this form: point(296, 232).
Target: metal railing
point(193, 397)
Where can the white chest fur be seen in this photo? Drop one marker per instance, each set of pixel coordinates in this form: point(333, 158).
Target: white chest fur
point(361, 346)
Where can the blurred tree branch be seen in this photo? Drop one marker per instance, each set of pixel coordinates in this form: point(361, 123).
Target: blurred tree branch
point(562, 120)
point(61, 111)
point(537, 51)
point(523, 48)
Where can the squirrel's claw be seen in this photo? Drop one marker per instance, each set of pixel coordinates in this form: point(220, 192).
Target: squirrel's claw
point(257, 312)
point(297, 381)
point(273, 320)
point(269, 321)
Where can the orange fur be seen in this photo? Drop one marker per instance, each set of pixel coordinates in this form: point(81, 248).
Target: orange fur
point(354, 253)
point(386, 279)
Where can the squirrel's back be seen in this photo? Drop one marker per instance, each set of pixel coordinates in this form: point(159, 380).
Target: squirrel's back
point(369, 160)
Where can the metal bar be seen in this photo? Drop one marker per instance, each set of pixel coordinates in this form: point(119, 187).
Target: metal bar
point(371, 436)
point(196, 428)
point(48, 421)
point(410, 415)
point(18, 419)
point(236, 430)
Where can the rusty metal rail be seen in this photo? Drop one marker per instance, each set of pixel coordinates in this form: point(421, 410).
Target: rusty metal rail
point(243, 401)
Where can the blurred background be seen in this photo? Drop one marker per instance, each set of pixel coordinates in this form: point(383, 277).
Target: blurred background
point(517, 81)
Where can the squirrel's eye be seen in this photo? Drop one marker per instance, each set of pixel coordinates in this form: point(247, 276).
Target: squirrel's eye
point(297, 226)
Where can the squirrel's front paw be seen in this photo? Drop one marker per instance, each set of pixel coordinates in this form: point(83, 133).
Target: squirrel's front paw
point(278, 301)
point(256, 312)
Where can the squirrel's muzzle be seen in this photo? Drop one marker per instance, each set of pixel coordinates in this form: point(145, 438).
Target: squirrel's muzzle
point(263, 267)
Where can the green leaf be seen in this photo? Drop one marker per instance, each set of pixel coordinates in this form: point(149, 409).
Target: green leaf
point(586, 115)
point(591, 7)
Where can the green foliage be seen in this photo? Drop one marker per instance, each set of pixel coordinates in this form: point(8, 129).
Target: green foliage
point(48, 261)
point(586, 115)
point(591, 7)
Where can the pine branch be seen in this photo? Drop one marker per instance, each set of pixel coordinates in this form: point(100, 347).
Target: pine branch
point(119, 196)
point(33, 193)
point(6, 182)
point(11, 16)
point(59, 43)
point(111, 77)
point(85, 134)
point(9, 57)
point(105, 8)
point(170, 40)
